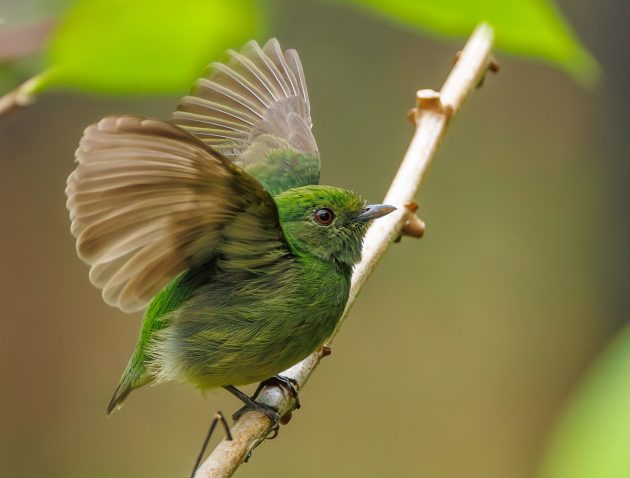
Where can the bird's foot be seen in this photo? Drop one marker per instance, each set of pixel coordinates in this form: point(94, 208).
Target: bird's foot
point(252, 405)
point(289, 384)
point(267, 410)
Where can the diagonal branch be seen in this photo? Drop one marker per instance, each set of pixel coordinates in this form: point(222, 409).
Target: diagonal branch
point(15, 44)
point(23, 95)
point(431, 117)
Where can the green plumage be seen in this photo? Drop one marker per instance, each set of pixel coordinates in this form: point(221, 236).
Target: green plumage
point(220, 324)
point(215, 224)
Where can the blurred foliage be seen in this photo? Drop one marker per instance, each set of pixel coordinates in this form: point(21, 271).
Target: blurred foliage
point(592, 437)
point(145, 45)
point(157, 46)
point(532, 28)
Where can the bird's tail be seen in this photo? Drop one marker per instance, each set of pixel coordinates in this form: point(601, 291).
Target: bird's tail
point(121, 393)
point(133, 377)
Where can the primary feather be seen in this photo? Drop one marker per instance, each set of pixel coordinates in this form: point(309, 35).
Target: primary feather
point(255, 110)
point(147, 201)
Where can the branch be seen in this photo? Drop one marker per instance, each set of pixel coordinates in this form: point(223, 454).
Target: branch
point(17, 43)
point(431, 117)
point(23, 95)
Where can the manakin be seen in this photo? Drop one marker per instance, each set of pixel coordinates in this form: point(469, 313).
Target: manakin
point(214, 223)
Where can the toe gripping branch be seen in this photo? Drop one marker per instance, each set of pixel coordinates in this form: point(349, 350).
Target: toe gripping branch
point(250, 404)
point(287, 384)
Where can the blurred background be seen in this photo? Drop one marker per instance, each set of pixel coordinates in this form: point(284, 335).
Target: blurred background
point(464, 348)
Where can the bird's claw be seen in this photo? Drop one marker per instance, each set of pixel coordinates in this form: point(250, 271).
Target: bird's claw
point(269, 411)
point(289, 384)
point(252, 405)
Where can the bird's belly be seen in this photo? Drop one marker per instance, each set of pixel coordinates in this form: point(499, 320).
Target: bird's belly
point(234, 338)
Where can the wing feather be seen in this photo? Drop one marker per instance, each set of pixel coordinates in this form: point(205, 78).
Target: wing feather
point(147, 201)
point(252, 106)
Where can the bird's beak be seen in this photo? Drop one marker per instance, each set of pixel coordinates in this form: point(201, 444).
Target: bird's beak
point(374, 211)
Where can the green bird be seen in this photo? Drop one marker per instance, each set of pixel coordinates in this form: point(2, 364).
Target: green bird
point(214, 223)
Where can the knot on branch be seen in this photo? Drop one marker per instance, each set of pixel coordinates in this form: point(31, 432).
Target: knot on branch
point(413, 225)
point(493, 66)
point(429, 100)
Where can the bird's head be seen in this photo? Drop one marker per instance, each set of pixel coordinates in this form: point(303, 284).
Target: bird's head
point(326, 222)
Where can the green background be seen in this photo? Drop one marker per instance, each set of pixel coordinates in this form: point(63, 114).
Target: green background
point(463, 349)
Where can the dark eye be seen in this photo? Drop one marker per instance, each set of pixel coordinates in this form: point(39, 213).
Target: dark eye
point(324, 216)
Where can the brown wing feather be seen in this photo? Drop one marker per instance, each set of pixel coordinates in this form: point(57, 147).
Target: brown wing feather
point(258, 91)
point(147, 200)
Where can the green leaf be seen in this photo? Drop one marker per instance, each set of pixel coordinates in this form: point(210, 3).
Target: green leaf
point(592, 439)
point(526, 27)
point(146, 46)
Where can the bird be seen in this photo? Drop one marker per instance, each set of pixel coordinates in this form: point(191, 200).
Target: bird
point(214, 224)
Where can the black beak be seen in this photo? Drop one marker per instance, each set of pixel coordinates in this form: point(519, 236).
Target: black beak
point(374, 211)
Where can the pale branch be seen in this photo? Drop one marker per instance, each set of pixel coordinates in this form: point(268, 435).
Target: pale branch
point(15, 44)
point(431, 117)
point(23, 95)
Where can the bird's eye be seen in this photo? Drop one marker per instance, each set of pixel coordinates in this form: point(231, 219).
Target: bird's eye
point(324, 216)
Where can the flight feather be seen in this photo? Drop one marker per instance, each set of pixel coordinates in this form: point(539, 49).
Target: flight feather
point(147, 201)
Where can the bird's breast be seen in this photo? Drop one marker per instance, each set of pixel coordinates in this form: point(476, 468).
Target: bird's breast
point(244, 328)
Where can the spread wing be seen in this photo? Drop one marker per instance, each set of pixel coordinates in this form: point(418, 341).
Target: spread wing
point(148, 200)
point(254, 109)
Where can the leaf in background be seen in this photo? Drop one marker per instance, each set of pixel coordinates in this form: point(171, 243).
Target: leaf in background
point(145, 46)
point(525, 27)
point(592, 439)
